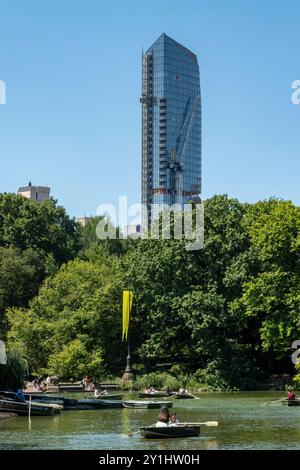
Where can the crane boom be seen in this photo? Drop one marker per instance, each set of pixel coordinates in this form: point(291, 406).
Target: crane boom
point(175, 164)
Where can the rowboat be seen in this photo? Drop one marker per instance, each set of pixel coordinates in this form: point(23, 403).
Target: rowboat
point(169, 432)
point(69, 387)
point(154, 394)
point(182, 396)
point(146, 404)
point(22, 408)
point(109, 397)
point(95, 404)
point(295, 402)
point(35, 397)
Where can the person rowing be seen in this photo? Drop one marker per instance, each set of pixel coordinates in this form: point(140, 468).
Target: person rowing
point(163, 418)
point(291, 395)
point(166, 419)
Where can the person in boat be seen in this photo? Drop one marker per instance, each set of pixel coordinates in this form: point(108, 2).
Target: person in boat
point(163, 418)
point(291, 395)
point(173, 421)
point(40, 385)
point(152, 390)
point(19, 396)
point(35, 383)
point(99, 393)
point(44, 386)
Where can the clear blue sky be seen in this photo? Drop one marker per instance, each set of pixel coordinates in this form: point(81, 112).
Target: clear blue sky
point(73, 75)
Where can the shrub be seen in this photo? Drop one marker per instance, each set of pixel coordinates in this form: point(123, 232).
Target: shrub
point(164, 380)
point(75, 361)
point(14, 372)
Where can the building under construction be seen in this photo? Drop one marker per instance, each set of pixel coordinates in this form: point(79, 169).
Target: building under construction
point(171, 127)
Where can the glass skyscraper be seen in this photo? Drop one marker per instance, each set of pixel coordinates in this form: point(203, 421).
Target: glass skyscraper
point(171, 126)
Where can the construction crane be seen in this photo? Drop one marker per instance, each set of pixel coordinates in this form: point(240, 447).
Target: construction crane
point(175, 160)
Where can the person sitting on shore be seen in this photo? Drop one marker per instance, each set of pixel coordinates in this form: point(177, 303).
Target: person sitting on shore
point(19, 396)
point(163, 418)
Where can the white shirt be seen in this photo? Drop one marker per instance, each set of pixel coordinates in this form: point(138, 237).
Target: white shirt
point(161, 424)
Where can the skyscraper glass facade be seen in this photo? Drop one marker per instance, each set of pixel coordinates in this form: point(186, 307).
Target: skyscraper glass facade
point(171, 126)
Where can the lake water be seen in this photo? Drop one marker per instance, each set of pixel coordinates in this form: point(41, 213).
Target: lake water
point(244, 423)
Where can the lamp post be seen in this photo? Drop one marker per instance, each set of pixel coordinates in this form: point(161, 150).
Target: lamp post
point(126, 332)
point(128, 373)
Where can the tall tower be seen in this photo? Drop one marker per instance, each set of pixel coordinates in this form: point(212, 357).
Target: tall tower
point(171, 127)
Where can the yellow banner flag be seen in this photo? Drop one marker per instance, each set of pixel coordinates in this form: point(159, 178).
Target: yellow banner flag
point(127, 304)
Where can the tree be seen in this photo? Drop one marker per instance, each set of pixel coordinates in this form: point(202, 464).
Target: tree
point(182, 298)
point(21, 273)
point(271, 297)
point(274, 230)
point(75, 322)
point(14, 372)
point(41, 226)
point(219, 312)
point(92, 247)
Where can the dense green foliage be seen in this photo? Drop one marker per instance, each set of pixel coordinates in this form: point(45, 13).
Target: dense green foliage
point(91, 247)
point(14, 372)
point(21, 273)
point(45, 227)
point(34, 240)
point(226, 315)
point(71, 326)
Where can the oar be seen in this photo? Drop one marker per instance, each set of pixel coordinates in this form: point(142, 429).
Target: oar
point(274, 401)
point(197, 398)
point(173, 395)
point(188, 393)
point(136, 432)
point(207, 423)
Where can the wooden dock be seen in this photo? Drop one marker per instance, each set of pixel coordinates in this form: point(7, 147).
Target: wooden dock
point(68, 387)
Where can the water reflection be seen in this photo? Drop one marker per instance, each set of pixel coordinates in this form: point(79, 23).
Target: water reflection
point(211, 444)
point(244, 423)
